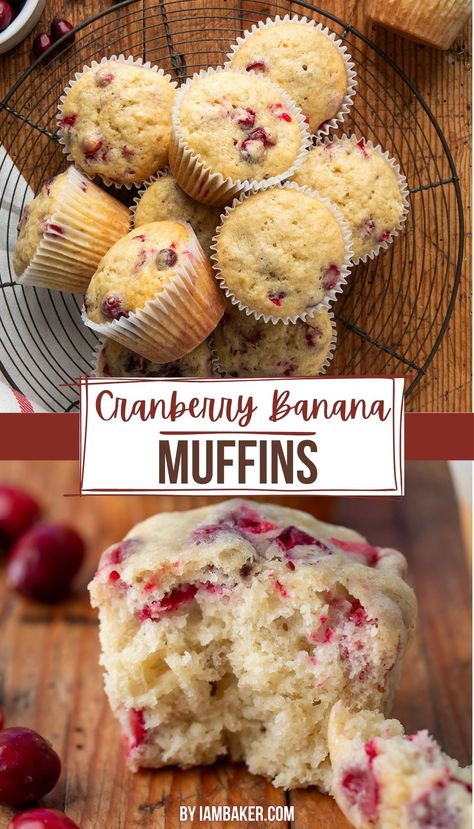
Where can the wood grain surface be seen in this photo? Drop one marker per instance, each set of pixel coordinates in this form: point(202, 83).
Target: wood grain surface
point(50, 679)
point(444, 81)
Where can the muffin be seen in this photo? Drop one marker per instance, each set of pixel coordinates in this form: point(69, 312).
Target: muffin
point(233, 131)
point(365, 184)
point(234, 628)
point(115, 120)
point(154, 292)
point(163, 199)
point(282, 253)
point(384, 779)
point(434, 22)
point(114, 360)
point(246, 347)
point(64, 232)
point(307, 61)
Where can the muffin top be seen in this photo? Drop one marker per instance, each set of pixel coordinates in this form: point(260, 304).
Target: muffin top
point(164, 199)
point(115, 360)
point(247, 347)
point(280, 252)
point(34, 221)
point(304, 61)
point(116, 121)
point(238, 125)
point(137, 268)
point(361, 183)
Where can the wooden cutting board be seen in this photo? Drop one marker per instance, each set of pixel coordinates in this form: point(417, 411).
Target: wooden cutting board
point(50, 680)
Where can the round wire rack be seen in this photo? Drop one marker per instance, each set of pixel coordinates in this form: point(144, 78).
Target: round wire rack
point(395, 309)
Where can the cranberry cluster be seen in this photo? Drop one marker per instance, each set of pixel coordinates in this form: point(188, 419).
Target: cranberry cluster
point(58, 28)
point(42, 560)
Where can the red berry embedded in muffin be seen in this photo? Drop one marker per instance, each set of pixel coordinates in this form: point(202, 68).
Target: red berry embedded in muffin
point(111, 306)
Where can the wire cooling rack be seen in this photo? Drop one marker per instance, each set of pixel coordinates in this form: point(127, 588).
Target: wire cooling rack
point(395, 309)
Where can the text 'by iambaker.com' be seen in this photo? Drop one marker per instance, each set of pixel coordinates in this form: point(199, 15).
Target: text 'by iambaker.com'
point(327, 435)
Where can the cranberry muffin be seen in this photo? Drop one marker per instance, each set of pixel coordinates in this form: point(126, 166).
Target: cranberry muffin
point(154, 292)
point(365, 184)
point(306, 60)
point(246, 347)
point(385, 779)
point(282, 253)
point(233, 629)
point(115, 120)
point(64, 232)
point(233, 131)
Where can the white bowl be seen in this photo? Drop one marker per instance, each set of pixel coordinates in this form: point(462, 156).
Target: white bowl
point(22, 25)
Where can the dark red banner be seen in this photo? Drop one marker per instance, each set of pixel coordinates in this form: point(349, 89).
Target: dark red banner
point(56, 437)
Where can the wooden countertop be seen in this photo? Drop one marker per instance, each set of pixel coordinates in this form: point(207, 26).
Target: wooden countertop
point(444, 80)
point(50, 679)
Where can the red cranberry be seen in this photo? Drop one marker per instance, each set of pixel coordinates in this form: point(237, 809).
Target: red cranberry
point(68, 122)
point(18, 511)
point(41, 44)
point(246, 117)
point(172, 601)
point(276, 297)
point(29, 766)
point(292, 537)
point(112, 307)
point(103, 76)
point(362, 791)
point(331, 277)
point(6, 14)
point(44, 561)
point(91, 144)
point(362, 147)
point(256, 66)
point(60, 27)
point(166, 258)
point(42, 819)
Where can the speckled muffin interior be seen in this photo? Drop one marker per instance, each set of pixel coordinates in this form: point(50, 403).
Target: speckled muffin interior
point(234, 628)
point(247, 347)
point(34, 221)
point(164, 199)
point(302, 60)
point(136, 269)
point(114, 360)
point(280, 252)
point(237, 125)
point(363, 186)
point(384, 779)
point(116, 121)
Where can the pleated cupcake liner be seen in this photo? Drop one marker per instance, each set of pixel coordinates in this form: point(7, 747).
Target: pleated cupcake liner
point(63, 135)
point(198, 180)
point(177, 319)
point(330, 296)
point(402, 184)
point(83, 227)
point(351, 75)
point(220, 370)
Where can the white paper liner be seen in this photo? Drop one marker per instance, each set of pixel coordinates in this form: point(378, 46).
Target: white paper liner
point(87, 68)
point(57, 262)
point(351, 89)
point(194, 177)
point(164, 329)
point(144, 187)
point(402, 184)
point(329, 297)
point(220, 371)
